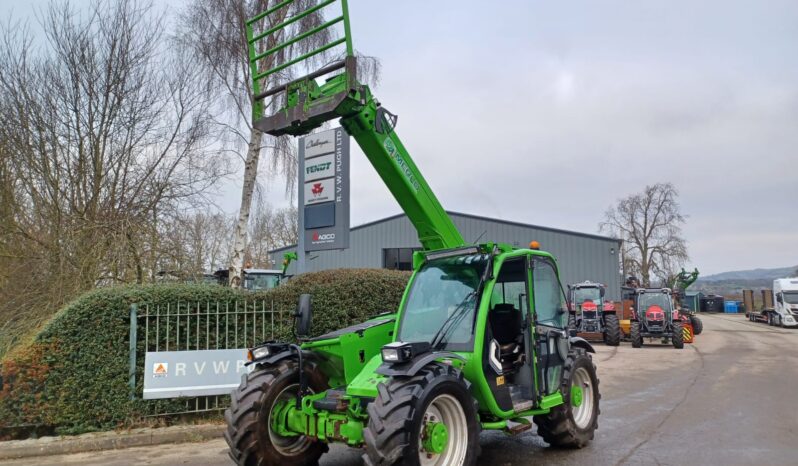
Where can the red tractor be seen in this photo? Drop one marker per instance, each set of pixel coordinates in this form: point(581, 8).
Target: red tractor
point(654, 318)
point(590, 313)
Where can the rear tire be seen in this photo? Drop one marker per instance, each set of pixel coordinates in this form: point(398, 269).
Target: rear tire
point(437, 394)
point(248, 433)
point(698, 325)
point(612, 330)
point(678, 337)
point(572, 321)
point(570, 425)
point(634, 333)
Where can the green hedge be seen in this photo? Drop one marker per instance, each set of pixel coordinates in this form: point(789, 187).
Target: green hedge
point(73, 377)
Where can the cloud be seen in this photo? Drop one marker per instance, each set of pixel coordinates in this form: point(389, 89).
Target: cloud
point(548, 112)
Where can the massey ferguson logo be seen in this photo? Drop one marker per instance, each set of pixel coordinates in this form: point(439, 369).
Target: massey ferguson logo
point(317, 189)
point(324, 237)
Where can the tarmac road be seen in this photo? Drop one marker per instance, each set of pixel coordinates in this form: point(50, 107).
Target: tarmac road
point(727, 399)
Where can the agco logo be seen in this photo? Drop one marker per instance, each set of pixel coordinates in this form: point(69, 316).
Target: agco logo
point(324, 237)
point(317, 189)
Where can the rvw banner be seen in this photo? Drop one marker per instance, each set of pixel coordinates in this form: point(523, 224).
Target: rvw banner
point(172, 374)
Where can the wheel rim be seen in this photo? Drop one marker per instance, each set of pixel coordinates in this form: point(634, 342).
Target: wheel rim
point(582, 403)
point(287, 446)
point(444, 412)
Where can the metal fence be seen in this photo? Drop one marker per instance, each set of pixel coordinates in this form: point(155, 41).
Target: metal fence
point(189, 326)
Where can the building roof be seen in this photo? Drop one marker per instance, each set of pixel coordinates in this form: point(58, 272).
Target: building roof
point(474, 217)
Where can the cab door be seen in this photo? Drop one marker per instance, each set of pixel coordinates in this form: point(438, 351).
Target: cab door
point(551, 318)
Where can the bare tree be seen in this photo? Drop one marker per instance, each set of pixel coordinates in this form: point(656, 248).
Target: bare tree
point(214, 34)
point(270, 229)
point(203, 241)
point(649, 223)
point(104, 130)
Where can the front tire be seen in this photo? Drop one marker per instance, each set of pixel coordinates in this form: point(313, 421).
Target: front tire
point(408, 411)
point(612, 330)
point(573, 423)
point(249, 434)
point(698, 325)
point(636, 337)
point(678, 337)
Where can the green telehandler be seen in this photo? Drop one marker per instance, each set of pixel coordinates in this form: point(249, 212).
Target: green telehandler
point(480, 339)
point(679, 284)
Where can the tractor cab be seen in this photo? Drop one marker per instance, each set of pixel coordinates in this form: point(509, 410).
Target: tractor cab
point(654, 308)
point(254, 279)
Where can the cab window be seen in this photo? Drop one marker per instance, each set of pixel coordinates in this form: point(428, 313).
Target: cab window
point(547, 294)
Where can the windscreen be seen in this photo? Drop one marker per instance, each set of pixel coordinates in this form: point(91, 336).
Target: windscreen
point(440, 288)
point(791, 297)
point(584, 294)
point(647, 300)
point(254, 282)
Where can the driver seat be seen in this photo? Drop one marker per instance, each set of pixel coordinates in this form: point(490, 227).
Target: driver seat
point(505, 325)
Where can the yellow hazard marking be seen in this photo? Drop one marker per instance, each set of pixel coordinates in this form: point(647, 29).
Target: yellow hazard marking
point(687, 333)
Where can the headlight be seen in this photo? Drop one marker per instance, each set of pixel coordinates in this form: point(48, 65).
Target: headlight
point(262, 352)
point(390, 354)
point(398, 351)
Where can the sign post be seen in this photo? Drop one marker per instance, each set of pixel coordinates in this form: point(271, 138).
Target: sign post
point(323, 193)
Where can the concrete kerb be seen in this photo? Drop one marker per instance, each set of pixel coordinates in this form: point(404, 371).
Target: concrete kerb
point(46, 446)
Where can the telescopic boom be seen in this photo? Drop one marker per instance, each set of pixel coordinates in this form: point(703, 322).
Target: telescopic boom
point(308, 105)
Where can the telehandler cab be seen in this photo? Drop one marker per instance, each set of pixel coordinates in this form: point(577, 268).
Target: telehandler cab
point(479, 340)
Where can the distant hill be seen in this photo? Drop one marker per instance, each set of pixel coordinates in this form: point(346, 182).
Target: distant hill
point(731, 284)
point(751, 275)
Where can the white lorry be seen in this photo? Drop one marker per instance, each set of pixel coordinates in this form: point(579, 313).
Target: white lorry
point(784, 312)
point(785, 302)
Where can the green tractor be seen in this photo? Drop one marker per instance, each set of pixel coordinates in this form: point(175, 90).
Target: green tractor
point(480, 340)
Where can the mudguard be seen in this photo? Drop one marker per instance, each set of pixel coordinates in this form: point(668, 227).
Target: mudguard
point(580, 342)
point(411, 368)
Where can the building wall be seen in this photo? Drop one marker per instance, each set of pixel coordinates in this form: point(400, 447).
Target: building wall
point(580, 256)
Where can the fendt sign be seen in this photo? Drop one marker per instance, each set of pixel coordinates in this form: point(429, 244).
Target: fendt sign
point(324, 196)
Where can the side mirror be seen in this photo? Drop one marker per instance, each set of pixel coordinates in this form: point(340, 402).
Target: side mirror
point(602, 291)
point(779, 298)
point(303, 316)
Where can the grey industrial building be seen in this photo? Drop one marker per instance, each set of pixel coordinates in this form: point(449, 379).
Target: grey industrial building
point(389, 243)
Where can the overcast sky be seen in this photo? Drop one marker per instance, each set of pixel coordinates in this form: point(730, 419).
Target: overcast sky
point(548, 112)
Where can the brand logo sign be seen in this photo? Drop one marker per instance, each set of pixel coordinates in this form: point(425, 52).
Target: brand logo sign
point(320, 143)
point(322, 238)
point(324, 191)
point(320, 167)
point(172, 374)
point(319, 191)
